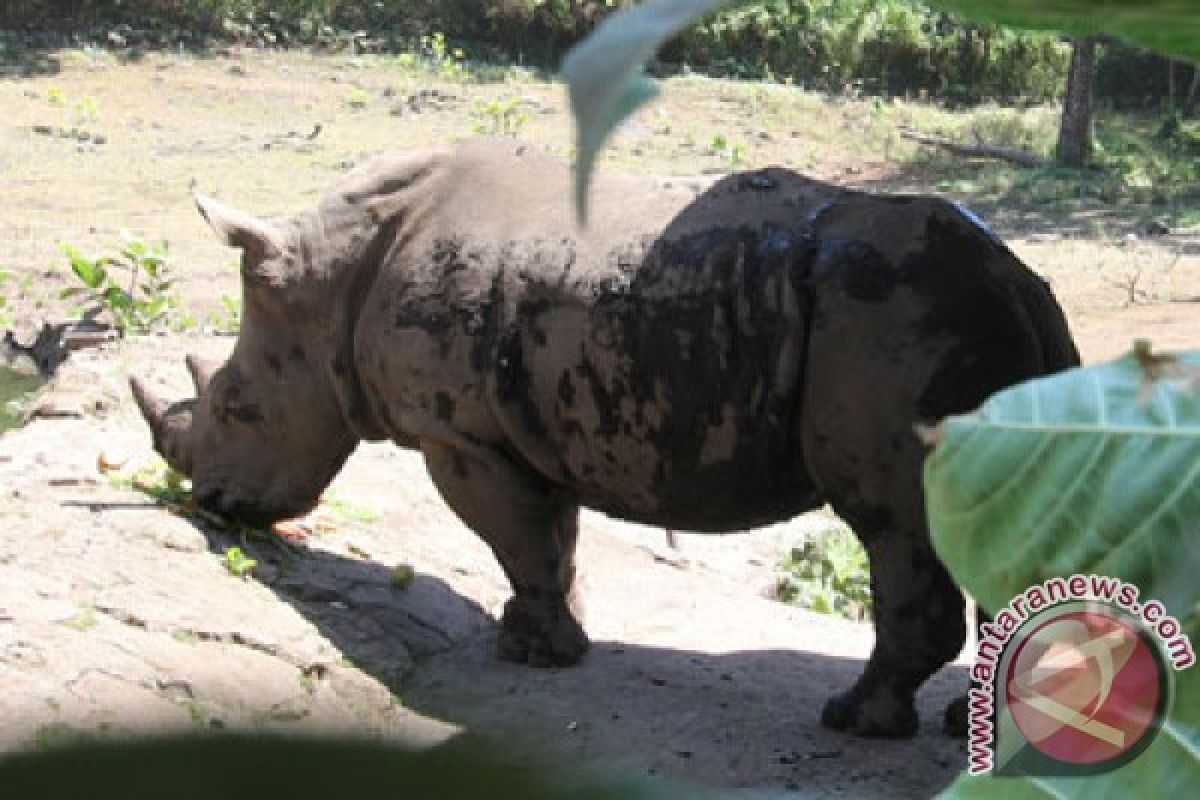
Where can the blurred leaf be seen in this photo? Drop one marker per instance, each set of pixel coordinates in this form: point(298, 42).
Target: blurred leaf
point(605, 78)
point(252, 767)
point(1091, 471)
point(1168, 26)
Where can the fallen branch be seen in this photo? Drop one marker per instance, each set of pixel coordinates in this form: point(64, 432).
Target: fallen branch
point(1021, 158)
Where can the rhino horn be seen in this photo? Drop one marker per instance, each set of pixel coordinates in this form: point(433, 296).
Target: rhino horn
point(239, 229)
point(201, 370)
point(171, 425)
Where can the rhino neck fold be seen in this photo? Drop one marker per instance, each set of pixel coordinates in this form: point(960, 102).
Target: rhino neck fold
point(349, 296)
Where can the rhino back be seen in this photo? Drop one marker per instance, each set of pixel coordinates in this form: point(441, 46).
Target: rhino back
point(650, 365)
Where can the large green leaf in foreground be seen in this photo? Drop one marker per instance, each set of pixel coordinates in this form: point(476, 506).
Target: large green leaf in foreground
point(605, 76)
point(1092, 471)
point(1168, 26)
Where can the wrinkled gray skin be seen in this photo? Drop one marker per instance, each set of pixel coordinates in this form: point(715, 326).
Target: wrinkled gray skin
point(707, 363)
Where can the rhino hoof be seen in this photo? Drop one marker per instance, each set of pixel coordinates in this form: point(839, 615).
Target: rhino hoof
point(956, 717)
point(541, 639)
point(879, 716)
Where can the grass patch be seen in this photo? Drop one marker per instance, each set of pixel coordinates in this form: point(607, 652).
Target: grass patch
point(828, 574)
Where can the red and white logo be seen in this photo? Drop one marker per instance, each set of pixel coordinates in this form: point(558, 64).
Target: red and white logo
point(1084, 687)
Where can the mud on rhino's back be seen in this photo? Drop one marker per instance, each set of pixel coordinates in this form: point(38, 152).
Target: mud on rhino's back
point(651, 364)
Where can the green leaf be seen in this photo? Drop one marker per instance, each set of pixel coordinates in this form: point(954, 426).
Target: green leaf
point(605, 78)
point(1168, 26)
point(1095, 471)
point(90, 271)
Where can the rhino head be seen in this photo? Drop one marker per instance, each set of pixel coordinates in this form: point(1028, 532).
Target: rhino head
point(269, 428)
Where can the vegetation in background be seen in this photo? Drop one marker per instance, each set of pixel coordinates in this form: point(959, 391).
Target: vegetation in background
point(828, 574)
point(885, 47)
point(498, 117)
point(132, 284)
point(227, 320)
point(6, 315)
point(1142, 160)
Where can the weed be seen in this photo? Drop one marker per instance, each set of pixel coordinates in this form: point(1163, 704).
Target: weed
point(237, 562)
point(159, 481)
point(145, 301)
point(6, 314)
point(437, 56)
point(829, 574)
point(227, 320)
point(358, 97)
point(498, 117)
point(185, 636)
point(349, 511)
point(733, 152)
point(85, 620)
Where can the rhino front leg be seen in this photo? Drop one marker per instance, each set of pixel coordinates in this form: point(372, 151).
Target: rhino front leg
point(919, 627)
point(533, 532)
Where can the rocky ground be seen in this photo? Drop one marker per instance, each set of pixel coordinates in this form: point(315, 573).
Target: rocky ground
point(117, 615)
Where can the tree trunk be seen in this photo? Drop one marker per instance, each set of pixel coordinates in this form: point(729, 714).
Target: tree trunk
point(1075, 132)
point(1189, 103)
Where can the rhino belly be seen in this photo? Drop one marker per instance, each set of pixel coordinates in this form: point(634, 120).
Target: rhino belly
point(681, 412)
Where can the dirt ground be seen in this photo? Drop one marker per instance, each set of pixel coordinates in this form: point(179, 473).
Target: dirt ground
point(118, 615)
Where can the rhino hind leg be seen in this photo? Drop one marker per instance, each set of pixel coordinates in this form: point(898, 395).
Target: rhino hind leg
point(533, 534)
point(919, 627)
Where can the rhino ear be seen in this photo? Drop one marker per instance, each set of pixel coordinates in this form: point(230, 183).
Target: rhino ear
point(236, 228)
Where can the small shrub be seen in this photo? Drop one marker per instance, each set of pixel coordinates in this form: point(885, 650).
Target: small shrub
point(139, 297)
point(736, 153)
point(829, 574)
point(237, 562)
point(498, 117)
point(358, 98)
point(227, 320)
point(6, 314)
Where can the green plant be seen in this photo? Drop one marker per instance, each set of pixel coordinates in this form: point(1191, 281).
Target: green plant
point(85, 621)
point(358, 97)
point(732, 151)
point(157, 480)
point(6, 313)
point(346, 510)
point(498, 117)
point(448, 63)
point(829, 574)
point(139, 301)
point(237, 562)
point(226, 320)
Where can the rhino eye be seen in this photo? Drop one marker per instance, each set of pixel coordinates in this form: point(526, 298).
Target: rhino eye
point(249, 413)
point(228, 405)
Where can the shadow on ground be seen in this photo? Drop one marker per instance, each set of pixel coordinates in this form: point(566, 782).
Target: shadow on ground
point(744, 718)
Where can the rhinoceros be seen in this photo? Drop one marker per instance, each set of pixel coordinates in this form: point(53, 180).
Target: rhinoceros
point(707, 360)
